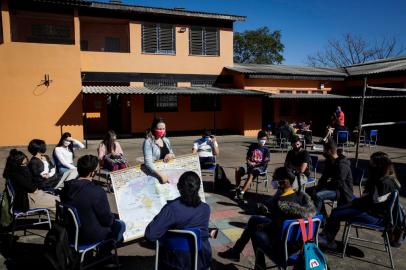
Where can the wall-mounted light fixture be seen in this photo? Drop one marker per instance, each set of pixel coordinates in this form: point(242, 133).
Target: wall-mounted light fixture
point(46, 81)
point(182, 30)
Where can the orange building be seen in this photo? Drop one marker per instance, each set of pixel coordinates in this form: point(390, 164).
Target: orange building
point(86, 67)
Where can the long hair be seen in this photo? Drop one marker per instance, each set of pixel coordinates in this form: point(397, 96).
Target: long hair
point(109, 141)
point(154, 124)
point(188, 186)
point(63, 137)
point(380, 166)
point(13, 162)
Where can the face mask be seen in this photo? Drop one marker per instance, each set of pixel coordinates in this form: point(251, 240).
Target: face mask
point(275, 184)
point(66, 143)
point(261, 142)
point(159, 133)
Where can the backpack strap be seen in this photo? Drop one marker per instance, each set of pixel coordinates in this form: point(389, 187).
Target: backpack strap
point(303, 230)
point(310, 233)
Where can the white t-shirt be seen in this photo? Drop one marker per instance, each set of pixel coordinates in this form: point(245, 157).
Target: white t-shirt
point(204, 147)
point(65, 157)
point(48, 171)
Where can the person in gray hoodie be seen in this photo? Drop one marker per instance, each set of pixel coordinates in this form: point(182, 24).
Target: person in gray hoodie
point(336, 181)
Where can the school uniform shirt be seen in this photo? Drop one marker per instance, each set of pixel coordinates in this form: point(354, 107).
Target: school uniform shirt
point(177, 215)
point(204, 147)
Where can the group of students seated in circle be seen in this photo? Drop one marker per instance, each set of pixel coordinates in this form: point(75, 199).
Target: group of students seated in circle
point(291, 200)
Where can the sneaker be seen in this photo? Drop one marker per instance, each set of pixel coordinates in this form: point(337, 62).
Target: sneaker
point(238, 195)
point(327, 244)
point(230, 255)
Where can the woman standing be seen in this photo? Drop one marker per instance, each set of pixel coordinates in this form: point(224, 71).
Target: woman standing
point(111, 155)
point(27, 194)
point(63, 154)
point(157, 147)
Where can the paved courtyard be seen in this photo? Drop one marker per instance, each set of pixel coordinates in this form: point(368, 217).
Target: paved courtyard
point(229, 217)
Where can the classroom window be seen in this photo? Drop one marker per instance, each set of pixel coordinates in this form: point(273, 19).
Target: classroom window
point(202, 103)
point(160, 103)
point(158, 38)
point(204, 41)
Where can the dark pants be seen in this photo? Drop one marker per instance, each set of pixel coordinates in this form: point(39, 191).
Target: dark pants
point(249, 232)
point(348, 213)
point(322, 196)
point(261, 240)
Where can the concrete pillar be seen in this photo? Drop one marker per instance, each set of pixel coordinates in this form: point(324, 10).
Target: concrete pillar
point(5, 18)
point(76, 27)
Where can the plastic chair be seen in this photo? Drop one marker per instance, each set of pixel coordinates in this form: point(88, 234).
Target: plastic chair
point(262, 177)
point(291, 233)
point(358, 178)
point(186, 240)
point(314, 160)
point(372, 139)
point(26, 214)
point(69, 217)
point(382, 230)
point(342, 139)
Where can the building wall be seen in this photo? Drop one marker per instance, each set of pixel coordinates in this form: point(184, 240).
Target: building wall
point(29, 109)
point(246, 120)
point(276, 85)
point(136, 61)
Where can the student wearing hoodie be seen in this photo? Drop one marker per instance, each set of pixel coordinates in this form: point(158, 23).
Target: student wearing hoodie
point(97, 221)
point(371, 208)
point(336, 180)
point(264, 230)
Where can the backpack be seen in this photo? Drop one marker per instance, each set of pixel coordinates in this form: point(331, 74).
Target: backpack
point(221, 182)
point(310, 257)
point(57, 251)
point(5, 215)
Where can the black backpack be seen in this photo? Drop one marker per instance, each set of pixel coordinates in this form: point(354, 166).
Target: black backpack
point(58, 254)
point(221, 182)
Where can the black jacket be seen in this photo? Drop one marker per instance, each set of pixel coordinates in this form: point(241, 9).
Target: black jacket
point(339, 173)
point(93, 209)
point(36, 167)
point(23, 183)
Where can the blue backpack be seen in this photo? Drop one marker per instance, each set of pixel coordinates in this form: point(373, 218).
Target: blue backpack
point(310, 257)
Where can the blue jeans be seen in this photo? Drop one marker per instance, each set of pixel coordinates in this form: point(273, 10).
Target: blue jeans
point(323, 195)
point(348, 213)
point(260, 239)
point(249, 232)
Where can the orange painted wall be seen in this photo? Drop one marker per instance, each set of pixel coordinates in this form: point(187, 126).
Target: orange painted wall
point(182, 62)
point(30, 110)
point(185, 120)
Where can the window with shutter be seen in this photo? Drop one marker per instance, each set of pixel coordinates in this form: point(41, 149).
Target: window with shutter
point(158, 38)
point(160, 103)
point(204, 41)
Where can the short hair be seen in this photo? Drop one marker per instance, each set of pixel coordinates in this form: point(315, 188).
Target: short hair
point(86, 165)
point(188, 186)
point(330, 146)
point(261, 134)
point(281, 174)
point(206, 132)
point(295, 139)
point(37, 146)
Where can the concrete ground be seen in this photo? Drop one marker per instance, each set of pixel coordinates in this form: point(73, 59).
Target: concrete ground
point(228, 216)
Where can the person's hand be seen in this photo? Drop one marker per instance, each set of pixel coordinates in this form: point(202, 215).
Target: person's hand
point(164, 179)
point(168, 157)
point(213, 138)
point(69, 139)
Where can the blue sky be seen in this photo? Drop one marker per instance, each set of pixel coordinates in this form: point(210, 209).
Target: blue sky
point(306, 25)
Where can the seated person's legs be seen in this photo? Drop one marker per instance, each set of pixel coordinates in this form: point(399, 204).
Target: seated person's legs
point(323, 195)
point(117, 230)
point(260, 239)
point(207, 162)
point(234, 252)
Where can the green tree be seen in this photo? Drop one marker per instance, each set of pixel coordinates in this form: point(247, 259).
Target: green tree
point(260, 46)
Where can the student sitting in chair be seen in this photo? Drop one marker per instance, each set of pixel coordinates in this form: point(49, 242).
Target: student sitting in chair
point(111, 155)
point(287, 204)
point(187, 211)
point(97, 221)
point(297, 163)
point(64, 152)
point(257, 161)
point(371, 208)
point(207, 148)
point(27, 195)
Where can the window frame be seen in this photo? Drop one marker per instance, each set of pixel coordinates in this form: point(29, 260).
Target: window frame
point(204, 41)
point(154, 100)
point(158, 39)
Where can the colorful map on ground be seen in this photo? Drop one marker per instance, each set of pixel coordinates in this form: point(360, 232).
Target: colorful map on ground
point(139, 197)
